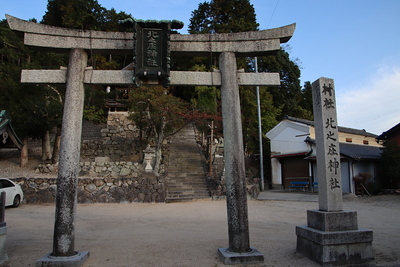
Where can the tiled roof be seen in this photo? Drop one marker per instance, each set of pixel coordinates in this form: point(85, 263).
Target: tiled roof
point(359, 152)
point(355, 151)
point(4, 119)
point(9, 137)
point(384, 135)
point(341, 129)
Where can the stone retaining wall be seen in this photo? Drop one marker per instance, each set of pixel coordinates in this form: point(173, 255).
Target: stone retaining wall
point(102, 168)
point(142, 189)
point(119, 149)
point(117, 140)
point(111, 169)
point(119, 126)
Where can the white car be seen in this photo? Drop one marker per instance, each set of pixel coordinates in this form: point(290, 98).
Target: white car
point(14, 194)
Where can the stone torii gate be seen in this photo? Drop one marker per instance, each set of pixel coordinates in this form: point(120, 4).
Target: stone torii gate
point(78, 43)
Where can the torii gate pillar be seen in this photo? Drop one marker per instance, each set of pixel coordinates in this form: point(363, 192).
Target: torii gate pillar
point(64, 253)
point(239, 250)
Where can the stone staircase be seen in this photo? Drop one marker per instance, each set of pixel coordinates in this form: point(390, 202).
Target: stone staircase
point(186, 179)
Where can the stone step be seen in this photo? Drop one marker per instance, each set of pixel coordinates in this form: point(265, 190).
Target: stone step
point(193, 159)
point(187, 187)
point(180, 184)
point(178, 164)
point(177, 180)
point(187, 158)
point(197, 168)
point(189, 178)
point(188, 195)
point(184, 199)
point(185, 174)
point(187, 192)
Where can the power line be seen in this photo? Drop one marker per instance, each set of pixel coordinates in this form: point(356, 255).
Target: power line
point(277, 2)
point(371, 121)
point(375, 116)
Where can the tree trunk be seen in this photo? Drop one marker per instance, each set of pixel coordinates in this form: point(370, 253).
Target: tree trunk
point(56, 147)
point(158, 152)
point(46, 150)
point(24, 152)
point(140, 146)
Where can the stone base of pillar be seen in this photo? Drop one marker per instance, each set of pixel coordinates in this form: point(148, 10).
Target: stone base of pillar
point(73, 261)
point(231, 258)
point(333, 238)
point(3, 251)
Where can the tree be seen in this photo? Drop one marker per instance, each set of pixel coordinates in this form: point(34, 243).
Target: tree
point(90, 15)
point(248, 99)
point(223, 16)
point(306, 101)
point(77, 14)
point(288, 95)
point(158, 114)
point(33, 107)
point(390, 165)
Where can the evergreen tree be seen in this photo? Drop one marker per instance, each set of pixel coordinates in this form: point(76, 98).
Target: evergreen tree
point(35, 109)
point(223, 16)
point(84, 15)
point(288, 95)
point(77, 14)
point(90, 15)
point(228, 16)
point(306, 101)
point(390, 165)
point(248, 101)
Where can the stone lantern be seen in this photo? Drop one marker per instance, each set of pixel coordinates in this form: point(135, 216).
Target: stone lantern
point(149, 155)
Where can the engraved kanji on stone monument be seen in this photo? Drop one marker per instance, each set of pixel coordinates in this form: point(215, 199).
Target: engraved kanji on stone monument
point(327, 141)
point(152, 50)
point(152, 53)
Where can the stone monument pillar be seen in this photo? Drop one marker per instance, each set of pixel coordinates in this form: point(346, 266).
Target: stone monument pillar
point(331, 236)
point(239, 250)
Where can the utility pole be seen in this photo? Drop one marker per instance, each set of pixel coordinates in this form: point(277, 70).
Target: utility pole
point(210, 166)
point(260, 130)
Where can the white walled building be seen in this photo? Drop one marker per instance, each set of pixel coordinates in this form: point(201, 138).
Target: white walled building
point(293, 153)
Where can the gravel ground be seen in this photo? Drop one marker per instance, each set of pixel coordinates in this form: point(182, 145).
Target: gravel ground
point(189, 234)
point(182, 234)
point(10, 163)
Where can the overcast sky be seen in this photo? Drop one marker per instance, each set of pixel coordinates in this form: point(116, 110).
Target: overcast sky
point(354, 42)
